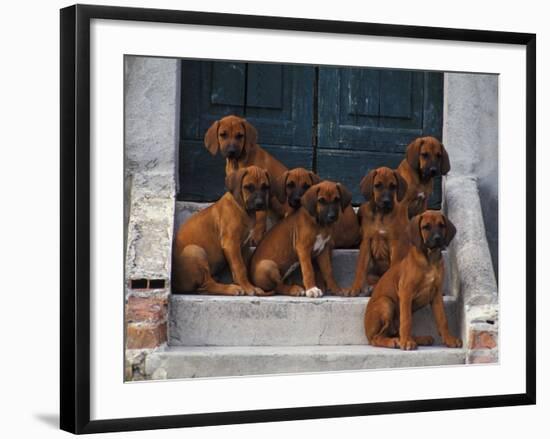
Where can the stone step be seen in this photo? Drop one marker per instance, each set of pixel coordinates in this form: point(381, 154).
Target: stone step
point(208, 320)
point(195, 362)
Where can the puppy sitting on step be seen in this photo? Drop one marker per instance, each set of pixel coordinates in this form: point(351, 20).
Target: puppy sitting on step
point(235, 138)
point(412, 283)
point(289, 188)
point(300, 238)
point(217, 235)
point(426, 158)
point(384, 223)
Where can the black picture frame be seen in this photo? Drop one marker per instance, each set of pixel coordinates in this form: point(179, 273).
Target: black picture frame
point(75, 217)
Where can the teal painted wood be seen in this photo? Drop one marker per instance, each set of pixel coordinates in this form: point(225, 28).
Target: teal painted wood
point(277, 99)
point(369, 116)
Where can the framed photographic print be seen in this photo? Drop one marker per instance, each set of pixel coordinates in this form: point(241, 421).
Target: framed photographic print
point(252, 235)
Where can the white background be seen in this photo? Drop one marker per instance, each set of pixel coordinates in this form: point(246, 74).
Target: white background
point(29, 181)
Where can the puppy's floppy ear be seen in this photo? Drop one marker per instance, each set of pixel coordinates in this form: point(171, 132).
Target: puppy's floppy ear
point(251, 135)
point(401, 186)
point(450, 231)
point(309, 200)
point(279, 187)
point(445, 164)
point(233, 184)
point(413, 153)
point(415, 236)
point(314, 178)
point(345, 195)
point(211, 138)
point(367, 184)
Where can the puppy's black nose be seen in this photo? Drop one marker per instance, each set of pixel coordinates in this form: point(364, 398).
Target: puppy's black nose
point(294, 202)
point(331, 216)
point(386, 203)
point(438, 239)
point(259, 204)
point(434, 171)
point(231, 152)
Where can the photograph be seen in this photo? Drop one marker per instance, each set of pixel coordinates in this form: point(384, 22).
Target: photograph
point(286, 218)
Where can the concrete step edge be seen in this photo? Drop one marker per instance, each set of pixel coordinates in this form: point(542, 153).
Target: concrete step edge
point(191, 362)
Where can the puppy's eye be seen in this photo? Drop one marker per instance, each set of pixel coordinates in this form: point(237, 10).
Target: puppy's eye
point(378, 185)
point(265, 187)
point(223, 134)
point(424, 155)
point(322, 201)
point(249, 187)
point(442, 225)
point(336, 200)
point(427, 226)
point(393, 186)
point(438, 155)
point(239, 136)
point(290, 185)
point(306, 186)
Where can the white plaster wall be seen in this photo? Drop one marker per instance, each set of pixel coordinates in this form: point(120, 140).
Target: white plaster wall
point(470, 134)
point(151, 114)
point(152, 101)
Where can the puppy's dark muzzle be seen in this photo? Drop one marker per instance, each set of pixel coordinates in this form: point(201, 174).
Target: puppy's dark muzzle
point(259, 205)
point(330, 217)
point(431, 172)
point(435, 241)
point(386, 203)
point(231, 152)
point(294, 202)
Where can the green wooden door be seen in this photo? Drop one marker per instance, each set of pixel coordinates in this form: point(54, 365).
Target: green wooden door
point(339, 121)
point(367, 117)
point(277, 99)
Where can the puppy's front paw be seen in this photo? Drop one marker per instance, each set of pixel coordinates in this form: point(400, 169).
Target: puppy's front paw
point(254, 291)
point(351, 292)
point(407, 344)
point(314, 292)
point(453, 342)
point(236, 290)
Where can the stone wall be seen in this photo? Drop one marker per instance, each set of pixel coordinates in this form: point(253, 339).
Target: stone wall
point(151, 138)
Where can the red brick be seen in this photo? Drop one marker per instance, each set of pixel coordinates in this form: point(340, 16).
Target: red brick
point(146, 309)
point(483, 339)
point(145, 335)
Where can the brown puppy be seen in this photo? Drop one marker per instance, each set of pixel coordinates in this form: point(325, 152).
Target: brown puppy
point(426, 158)
point(412, 283)
point(236, 138)
point(384, 223)
point(290, 187)
point(300, 238)
point(217, 235)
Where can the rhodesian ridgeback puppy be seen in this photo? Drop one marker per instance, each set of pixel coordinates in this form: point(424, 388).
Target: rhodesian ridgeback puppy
point(235, 138)
point(425, 159)
point(290, 187)
point(412, 283)
point(299, 239)
point(384, 222)
point(217, 236)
